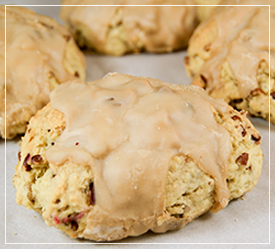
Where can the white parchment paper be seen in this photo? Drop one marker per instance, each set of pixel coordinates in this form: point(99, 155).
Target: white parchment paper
point(243, 224)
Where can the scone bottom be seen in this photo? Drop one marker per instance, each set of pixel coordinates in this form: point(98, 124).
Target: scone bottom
point(68, 195)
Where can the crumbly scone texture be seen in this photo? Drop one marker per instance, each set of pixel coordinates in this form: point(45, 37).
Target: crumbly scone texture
point(118, 30)
point(64, 194)
point(41, 54)
point(233, 63)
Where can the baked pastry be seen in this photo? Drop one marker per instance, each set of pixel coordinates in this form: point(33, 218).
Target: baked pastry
point(117, 30)
point(133, 154)
point(228, 55)
point(40, 55)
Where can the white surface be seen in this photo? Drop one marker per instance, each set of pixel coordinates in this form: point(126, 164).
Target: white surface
point(243, 221)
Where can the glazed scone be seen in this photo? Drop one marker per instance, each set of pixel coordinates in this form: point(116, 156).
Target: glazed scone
point(133, 154)
point(117, 30)
point(228, 55)
point(41, 54)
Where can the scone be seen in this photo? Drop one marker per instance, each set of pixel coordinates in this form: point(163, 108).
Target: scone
point(117, 30)
point(41, 54)
point(228, 55)
point(123, 155)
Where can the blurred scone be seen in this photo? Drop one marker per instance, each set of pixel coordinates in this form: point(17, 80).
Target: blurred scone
point(228, 55)
point(117, 30)
point(41, 54)
point(123, 155)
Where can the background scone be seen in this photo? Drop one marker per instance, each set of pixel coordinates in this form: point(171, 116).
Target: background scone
point(41, 54)
point(228, 55)
point(133, 154)
point(117, 30)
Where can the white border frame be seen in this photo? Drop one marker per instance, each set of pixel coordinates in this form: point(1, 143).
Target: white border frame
point(114, 243)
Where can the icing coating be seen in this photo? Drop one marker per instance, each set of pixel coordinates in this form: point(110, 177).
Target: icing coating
point(242, 40)
point(126, 129)
point(36, 48)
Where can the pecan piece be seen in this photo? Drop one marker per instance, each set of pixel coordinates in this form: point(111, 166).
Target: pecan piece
point(242, 159)
point(235, 117)
point(256, 138)
point(74, 225)
point(243, 131)
point(36, 159)
point(91, 194)
point(272, 95)
point(25, 163)
point(204, 79)
point(237, 101)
